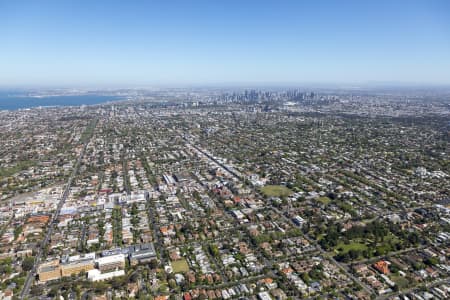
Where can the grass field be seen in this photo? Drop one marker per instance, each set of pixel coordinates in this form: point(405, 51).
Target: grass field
point(180, 266)
point(324, 200)
point(276, 191)
point(344, 248)
point(20, 166)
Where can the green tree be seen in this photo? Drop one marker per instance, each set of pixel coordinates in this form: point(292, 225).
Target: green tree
point(27, 263)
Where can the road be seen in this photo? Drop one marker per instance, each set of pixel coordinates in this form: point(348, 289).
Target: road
point(214, 160)
point(126, 179)
point(40, 252)
point(156, 233)
point(82, 238)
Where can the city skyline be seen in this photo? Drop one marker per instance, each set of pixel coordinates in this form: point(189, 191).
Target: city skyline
point(54, 43)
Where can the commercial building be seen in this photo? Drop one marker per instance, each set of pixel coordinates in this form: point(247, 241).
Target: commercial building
point(77, 266)
point(142, 253)
point(112, 262)
point(49, 271)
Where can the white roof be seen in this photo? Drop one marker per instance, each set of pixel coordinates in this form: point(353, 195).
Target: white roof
point(96, 275)
point(81, 257)
point(110, 259)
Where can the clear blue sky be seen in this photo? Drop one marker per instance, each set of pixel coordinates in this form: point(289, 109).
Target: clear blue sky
point(129, 43)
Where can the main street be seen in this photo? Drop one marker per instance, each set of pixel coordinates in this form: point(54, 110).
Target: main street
point(40, 251)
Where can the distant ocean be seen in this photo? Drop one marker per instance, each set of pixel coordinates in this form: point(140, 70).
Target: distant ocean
point(15, 102)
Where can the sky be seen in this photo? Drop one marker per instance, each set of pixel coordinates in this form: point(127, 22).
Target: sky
point(143, 43)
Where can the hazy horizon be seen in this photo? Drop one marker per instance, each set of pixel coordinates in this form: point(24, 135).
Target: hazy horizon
point(232, 85)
